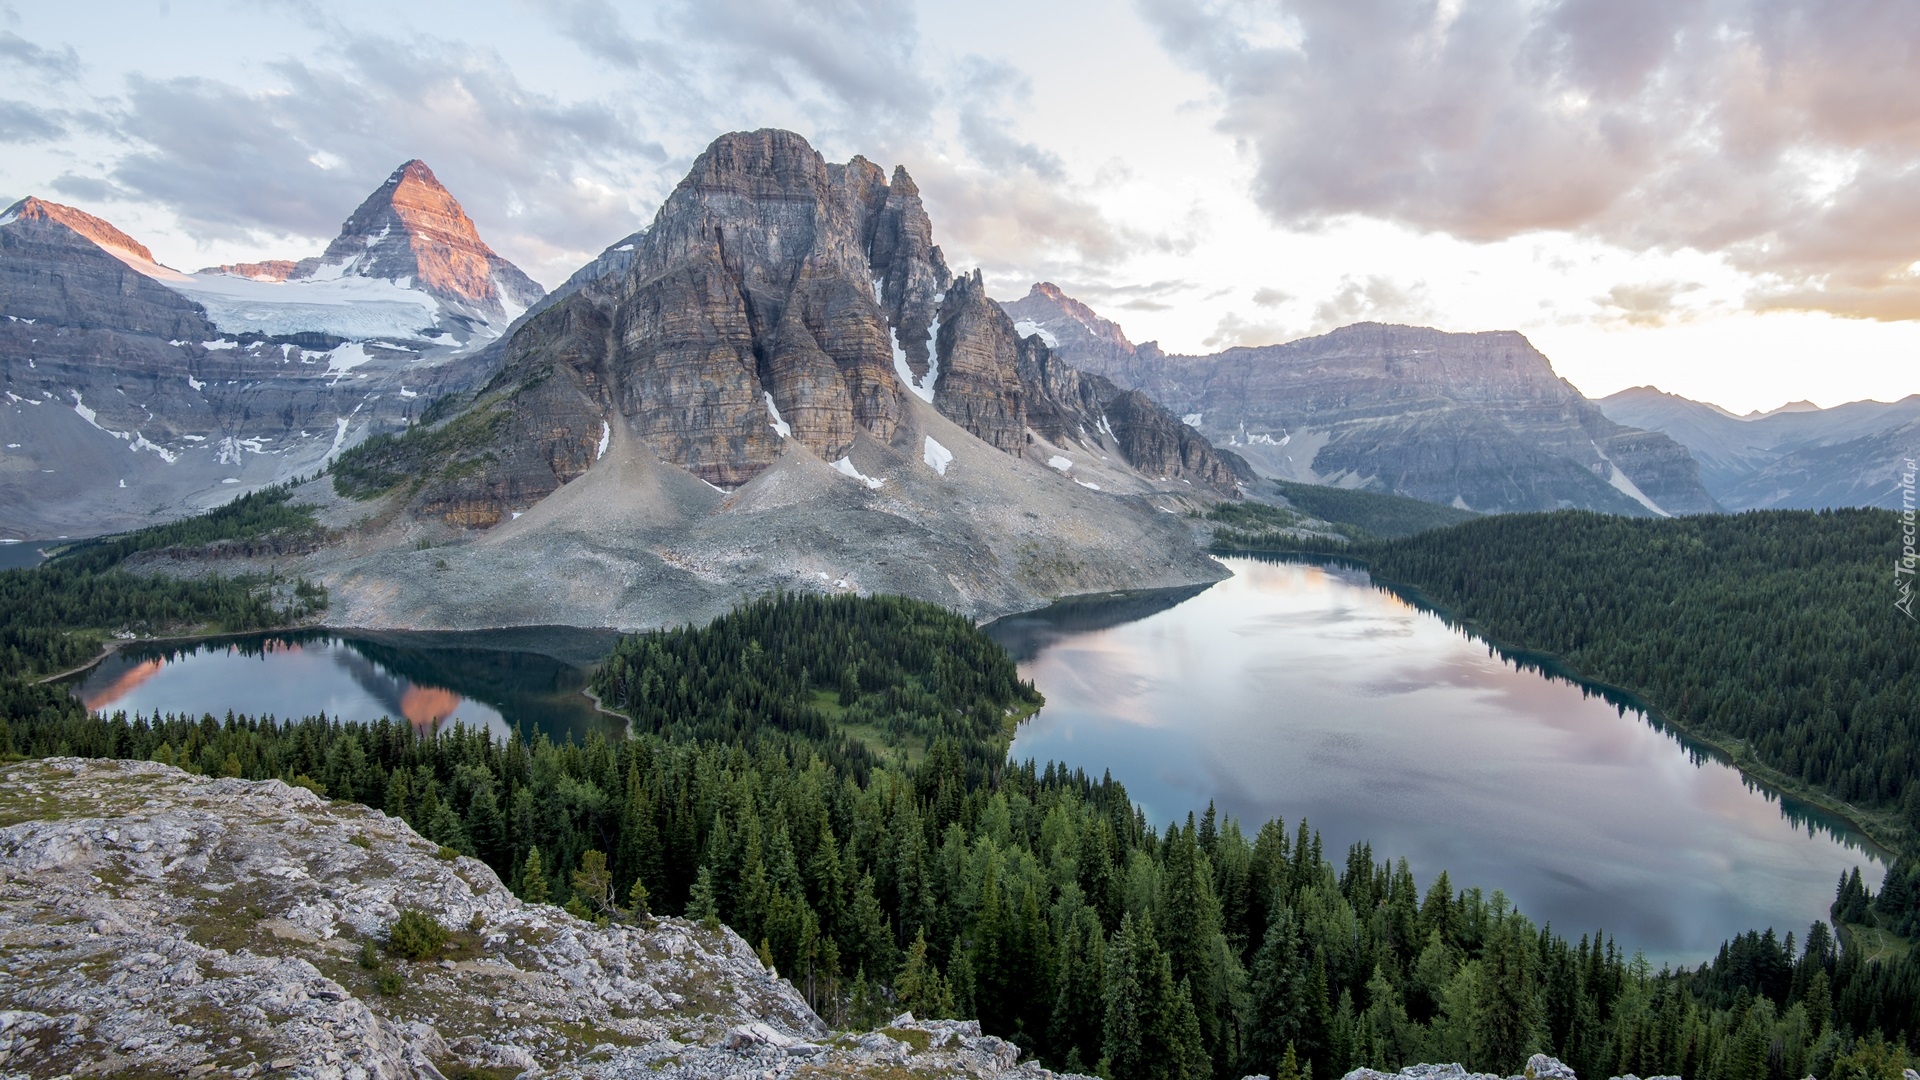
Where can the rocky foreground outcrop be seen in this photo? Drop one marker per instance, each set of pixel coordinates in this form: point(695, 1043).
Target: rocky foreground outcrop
point(163, 923)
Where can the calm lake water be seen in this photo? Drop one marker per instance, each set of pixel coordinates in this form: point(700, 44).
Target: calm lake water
point(15, 556)
point(1296, 689)
point(1288, 690)
point(493, 678)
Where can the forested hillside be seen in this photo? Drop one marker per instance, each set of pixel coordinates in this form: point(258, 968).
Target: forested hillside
point(1772, 632)
point(866, 678)
point(1039, 900)
point(58, 614)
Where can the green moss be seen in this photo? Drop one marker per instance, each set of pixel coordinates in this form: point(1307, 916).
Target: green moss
point(920, 1041)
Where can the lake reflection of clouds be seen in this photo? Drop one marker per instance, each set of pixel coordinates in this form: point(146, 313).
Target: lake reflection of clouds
point(301, 678)
point(1291, 690)
point(490, 679)
point(126, 682)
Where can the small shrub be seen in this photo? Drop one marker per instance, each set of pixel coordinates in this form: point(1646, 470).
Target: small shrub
point(448, 854)
point(416, 935)
point(360, 842)
point(368, 958)
point(390, 982)
point(308, 782)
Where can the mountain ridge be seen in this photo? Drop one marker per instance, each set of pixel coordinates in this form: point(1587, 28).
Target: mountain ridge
point(1787, 458)
point(136, 392)
point(1479, 420)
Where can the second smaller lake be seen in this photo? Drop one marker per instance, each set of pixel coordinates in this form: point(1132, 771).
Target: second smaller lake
point(497, 679)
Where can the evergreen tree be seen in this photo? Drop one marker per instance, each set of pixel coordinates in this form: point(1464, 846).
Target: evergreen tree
point(702, 907)
point(533, 879)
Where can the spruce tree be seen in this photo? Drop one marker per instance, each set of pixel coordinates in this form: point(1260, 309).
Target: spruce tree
point(533, 879)
point(701, 905)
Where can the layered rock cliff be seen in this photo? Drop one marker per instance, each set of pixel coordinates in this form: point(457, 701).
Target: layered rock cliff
point(1070, 407)
point(160, 922)
point(1476, 420)
point(64, 270)
point(776, 299)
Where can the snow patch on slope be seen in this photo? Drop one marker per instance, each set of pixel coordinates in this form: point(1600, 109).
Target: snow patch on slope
point(606, 436)
point(1625, 485)
point(845, 465)
point(345, 358)
point(1029, 328)
point(774, 420)
point(936, 456)
point(339, 439)
point(921, 386)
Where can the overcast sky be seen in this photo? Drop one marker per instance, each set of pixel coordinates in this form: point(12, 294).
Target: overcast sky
point(1720, 197)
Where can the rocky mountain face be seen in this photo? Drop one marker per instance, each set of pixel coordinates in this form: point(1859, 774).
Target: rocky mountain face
point(775, 298)
point(157, 921)
point(1473, 420)
point(786, 387)
point(1797, 457)
point(411, 228)
point(1095, 344)
point(136, 393)
point(62, 269)
point(1074, 408)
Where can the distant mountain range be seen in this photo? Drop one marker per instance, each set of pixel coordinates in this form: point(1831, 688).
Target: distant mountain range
point(1798, 456)
point(1476, 421)
point(778, 382)
point(136, 392)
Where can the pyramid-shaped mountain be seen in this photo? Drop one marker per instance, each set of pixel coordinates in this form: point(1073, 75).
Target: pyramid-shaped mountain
point(412, 228)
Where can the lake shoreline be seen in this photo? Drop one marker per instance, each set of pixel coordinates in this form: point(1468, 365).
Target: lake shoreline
point(1868, 824)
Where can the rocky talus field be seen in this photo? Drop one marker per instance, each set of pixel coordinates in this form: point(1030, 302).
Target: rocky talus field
point(154, 922)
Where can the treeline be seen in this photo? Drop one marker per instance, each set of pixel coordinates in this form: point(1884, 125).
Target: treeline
point(1041, 901)
point(58, 614)
point(385, 461)
point(1351, 515)
point(1772, 631)
point(899, 674)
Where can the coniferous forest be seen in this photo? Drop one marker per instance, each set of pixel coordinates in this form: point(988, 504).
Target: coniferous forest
point(903, 867)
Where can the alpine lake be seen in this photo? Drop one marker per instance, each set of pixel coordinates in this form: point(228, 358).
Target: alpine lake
point(1290, 690)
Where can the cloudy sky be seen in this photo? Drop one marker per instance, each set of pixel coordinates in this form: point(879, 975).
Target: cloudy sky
point(1720, 197)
